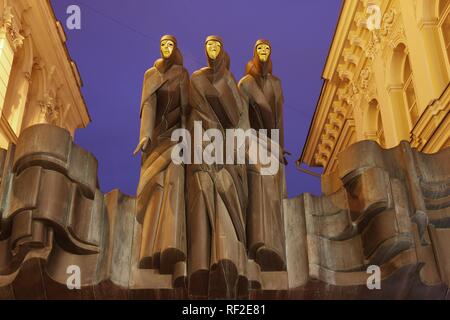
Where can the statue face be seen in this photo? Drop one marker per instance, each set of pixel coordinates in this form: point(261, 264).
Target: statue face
point(213, 49)
point(263, 51)
point(167, 47)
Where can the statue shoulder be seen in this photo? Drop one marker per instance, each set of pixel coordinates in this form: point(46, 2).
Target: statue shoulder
point(247, 83)
point(150, 72)
point(276, 80)
point(200, 72)
point(199, 75)
point(247, 80)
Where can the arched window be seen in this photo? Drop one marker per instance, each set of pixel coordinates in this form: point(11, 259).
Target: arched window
point(373, 123)
point(410, 93)
point(402, 91)
point(444, 24)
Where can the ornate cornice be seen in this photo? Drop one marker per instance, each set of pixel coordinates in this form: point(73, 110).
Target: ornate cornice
point(353, 80)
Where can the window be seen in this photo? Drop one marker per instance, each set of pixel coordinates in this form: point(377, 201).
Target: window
point(373, 123)
point(402, 92)
point(444, 23)
point(409, 92)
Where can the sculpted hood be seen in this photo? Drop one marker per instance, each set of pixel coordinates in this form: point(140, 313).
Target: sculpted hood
point(255, 67)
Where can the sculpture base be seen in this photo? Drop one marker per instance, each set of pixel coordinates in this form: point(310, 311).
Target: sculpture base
point(383, 210)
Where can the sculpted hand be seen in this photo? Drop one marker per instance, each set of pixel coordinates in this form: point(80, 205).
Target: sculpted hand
point(143, 145)
point(286, 153)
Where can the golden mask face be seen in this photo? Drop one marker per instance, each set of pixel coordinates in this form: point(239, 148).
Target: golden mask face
point(263, 51)
point(167, 47)
point(213, 49)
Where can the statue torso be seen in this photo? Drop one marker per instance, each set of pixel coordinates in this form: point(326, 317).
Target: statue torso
point(168, 100)
point(264, 96)
point(218, 97)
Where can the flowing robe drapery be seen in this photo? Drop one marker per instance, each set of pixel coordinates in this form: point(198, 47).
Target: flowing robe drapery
point(217, 194)
point(265, 227)
point(161, 192)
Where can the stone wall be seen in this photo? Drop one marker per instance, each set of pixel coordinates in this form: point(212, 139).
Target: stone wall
point(389, 208)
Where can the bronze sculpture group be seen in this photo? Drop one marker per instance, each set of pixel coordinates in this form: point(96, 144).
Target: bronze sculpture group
point(223, 220)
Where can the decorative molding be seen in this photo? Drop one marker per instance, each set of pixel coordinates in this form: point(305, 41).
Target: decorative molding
point(428, 134)
point(9, 27)
point(388, 22)
point(50, 108)
point(356, 57)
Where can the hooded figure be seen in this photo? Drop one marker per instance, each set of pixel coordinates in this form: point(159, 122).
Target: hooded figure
point(160, 193)
point(264, 99)
point(217, 194)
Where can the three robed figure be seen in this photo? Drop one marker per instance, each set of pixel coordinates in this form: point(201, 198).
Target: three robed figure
point(224, 220)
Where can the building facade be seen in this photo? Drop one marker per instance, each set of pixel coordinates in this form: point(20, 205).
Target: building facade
point(39, 81)
point(387, 84)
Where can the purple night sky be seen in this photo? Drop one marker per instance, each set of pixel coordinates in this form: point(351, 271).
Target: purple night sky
point(119, 41)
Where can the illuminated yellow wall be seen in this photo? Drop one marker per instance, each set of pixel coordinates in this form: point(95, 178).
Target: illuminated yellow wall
point(386, 84)
point(39, 83)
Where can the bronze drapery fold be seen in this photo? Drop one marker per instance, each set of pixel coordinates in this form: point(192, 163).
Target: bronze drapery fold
point(265, 233)
point(217, 194)
point(160, 193)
